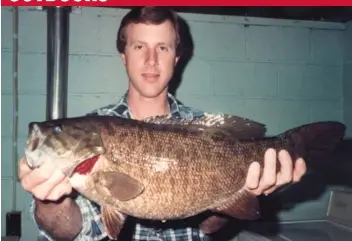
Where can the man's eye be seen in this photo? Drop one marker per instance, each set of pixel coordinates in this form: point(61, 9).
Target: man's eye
point(163, 48)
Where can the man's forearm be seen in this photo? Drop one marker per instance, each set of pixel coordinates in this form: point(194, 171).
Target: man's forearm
point(62, 220)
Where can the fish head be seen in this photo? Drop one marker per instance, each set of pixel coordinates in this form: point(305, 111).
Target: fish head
point(65, 143)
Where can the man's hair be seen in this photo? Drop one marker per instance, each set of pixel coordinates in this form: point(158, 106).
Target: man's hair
point(148, 15)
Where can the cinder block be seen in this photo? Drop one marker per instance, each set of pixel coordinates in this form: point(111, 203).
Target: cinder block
point(31, 108)
point(347, 97)
point(347, 81)
point(324, 81)
point(264, 43)
point(32, 31)
point(291, 81)
point(310, 82)
point(108, 33)
point(6, 155)
point(296, 44)
point(279, 115)
point(348, 42)
point(85, 34)
point(82, 104)
point(97, 74)
point(327, 46)
point(321, 110)
point(6, 29)
point(6, 72)
point(196, 78)
point(31, 73)
point(20, 145)
point(218, 41)
point(6, 115)
point(32, 76)
point(244, 79)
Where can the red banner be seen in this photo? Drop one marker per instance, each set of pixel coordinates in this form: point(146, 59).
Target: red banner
point(175, 3)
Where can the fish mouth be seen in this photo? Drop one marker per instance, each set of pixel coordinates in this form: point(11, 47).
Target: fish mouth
point(34, 142)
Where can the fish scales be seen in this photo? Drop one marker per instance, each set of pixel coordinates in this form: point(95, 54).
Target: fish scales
point(167, 168)
point(176, 168)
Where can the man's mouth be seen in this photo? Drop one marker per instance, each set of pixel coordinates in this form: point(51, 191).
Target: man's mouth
point(150, 75)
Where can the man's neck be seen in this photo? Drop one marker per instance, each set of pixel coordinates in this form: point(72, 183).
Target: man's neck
point(142, 107)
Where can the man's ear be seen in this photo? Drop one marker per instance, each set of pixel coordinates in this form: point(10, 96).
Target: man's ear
point(123, 58)
point(176, 60)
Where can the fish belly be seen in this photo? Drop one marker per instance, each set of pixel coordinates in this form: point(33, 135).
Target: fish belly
point(182, 175)
point(173, 191)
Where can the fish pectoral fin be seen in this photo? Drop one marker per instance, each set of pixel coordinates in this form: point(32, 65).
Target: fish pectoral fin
point(212, 224)
point(113, 221)
point(121, 186)
point(244, 206)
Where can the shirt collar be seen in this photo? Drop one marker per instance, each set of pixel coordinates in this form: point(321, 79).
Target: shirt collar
point(123, 109)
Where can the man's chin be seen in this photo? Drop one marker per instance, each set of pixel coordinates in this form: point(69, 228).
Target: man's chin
point(151, 92)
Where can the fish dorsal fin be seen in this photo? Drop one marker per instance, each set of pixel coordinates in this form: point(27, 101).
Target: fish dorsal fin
point(219, 125)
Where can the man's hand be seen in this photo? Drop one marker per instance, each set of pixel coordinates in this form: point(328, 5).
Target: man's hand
point(271, 179)
point(44, 183)
point(61, 220)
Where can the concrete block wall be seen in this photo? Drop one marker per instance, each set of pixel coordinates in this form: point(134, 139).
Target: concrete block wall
point(280, 72)
point(347, 78)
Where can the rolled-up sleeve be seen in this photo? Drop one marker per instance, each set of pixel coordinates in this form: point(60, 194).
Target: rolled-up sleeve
point(93, 229)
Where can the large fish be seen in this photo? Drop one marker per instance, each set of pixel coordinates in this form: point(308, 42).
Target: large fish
point(166, 168)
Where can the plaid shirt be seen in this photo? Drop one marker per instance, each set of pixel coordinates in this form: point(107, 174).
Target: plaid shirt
point(92, 224)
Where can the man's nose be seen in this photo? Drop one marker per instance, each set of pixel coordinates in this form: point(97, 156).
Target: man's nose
point(152, 57)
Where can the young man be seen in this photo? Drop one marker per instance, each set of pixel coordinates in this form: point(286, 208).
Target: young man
point(149, 45)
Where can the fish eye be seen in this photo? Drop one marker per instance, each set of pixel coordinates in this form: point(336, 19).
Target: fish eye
point(57, 129)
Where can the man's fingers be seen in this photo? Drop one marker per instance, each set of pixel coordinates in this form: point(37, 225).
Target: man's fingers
point(43, 190)
point(270, 190)
point(63, 188)
point(269, 173)
point(271, 179)
point(45, 182)
point(23, 168)
point(300, 170)
point(253, 176)
point(37, 176)
point(287, 174)
point(286, 168)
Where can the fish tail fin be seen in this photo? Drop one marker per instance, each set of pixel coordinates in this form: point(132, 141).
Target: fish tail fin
point(314, 142)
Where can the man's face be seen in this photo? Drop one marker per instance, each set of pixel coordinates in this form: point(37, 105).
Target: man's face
point(150, 57)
